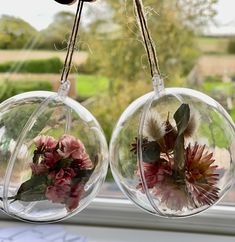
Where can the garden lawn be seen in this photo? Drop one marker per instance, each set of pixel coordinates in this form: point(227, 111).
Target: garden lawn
point(224, 88)
point(90, 85)
point(232, 113)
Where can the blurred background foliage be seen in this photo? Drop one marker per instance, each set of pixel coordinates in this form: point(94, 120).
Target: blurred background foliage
point(115, 70)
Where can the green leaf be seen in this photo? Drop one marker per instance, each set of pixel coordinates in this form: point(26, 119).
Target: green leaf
point(151, 152)
point(33, 194)
point(181, 117)
point(179, 153)
point(33, 190)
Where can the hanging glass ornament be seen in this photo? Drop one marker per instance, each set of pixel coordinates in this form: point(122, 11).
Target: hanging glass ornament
point(172, 150)
point(54, 155)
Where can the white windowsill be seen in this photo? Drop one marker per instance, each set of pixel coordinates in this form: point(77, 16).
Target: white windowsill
point(121, 213)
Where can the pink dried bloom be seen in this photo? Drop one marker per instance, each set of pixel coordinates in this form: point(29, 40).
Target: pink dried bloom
point(62, 177)
point(38, 168)
point(51, 158)
point(85, 162)
point(45, 142)
point(171, 194)
point(75, 196)
point(74, 148)
point(58, 194)
point(201, 175)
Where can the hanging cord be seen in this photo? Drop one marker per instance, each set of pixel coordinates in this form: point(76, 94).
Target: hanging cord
point(149, 45)
point(72, 42)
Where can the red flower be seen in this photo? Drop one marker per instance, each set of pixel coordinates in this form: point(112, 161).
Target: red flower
point(154, 173)
point(74, 148)
point(75, 195)
point(45, 142)
point(201, 175)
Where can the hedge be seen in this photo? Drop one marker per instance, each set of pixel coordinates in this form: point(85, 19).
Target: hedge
point(51, 65)
point(10, 88)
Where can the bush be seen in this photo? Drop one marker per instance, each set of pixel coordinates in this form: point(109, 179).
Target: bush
point(231, 46)
point(10, 88)
point(91, 66)
point(52, 65)
point(213, 79)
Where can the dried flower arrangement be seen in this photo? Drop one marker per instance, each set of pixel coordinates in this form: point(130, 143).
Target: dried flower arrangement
point(60, 170)
point(180, 174)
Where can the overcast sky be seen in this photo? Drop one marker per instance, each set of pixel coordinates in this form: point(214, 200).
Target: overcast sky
point(40, 12)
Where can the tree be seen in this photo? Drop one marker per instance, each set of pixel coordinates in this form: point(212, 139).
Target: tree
point(57, 33)
point(15, 33)
point(120, 52)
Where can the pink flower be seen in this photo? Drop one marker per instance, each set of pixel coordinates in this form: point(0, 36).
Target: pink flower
point(171, 195)
point(201, 175)
point(45, 142)
point(38, 168)
point(75, 195)
point(57, 194)
point(51, 158)
point(74, 148)
point(85, 162)
point(63, 177)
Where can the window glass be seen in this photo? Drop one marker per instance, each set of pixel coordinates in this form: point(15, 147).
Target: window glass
point(110, 68)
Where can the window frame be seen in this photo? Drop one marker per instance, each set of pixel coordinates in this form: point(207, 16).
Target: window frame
point(121, 213)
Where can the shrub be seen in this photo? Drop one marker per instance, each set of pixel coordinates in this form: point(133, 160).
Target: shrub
point(213, 79)
point(52, 65)
point(10, 88)
point(231, 46)
point(91, 66)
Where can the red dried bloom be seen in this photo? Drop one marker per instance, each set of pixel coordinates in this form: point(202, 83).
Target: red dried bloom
point(56, 169)
point(154, 173)
point(201, 175)
point(75, 195)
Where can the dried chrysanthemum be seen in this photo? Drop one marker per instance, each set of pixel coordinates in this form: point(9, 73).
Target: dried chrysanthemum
point(173, 195)
point(154, 128)
point(201, 175)
point(193, 123)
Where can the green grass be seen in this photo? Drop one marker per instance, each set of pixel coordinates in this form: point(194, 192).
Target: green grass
point(219, 87)
point(90, 85)
point(212, 45)
point(232, 113)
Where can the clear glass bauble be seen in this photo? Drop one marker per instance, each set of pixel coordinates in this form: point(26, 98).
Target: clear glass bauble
point(172, 153)
point(54, 157)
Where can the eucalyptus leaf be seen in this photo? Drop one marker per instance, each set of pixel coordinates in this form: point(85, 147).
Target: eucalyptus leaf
point(179, 153)
point(181, 117)
point(33, 194)
point(33, 189)
point(151, 152)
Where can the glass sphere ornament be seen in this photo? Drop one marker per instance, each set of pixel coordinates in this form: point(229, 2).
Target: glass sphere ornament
point(172, 152)
point(54, 156)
